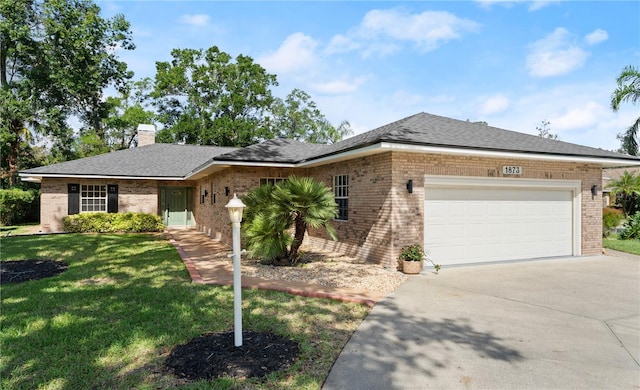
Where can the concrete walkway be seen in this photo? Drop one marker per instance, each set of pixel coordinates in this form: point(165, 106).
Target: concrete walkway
point(198, 250)
point(567, 323)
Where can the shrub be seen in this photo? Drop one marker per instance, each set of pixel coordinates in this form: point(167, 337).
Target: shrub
point(19, 206)
point(611, 218)
point(297, 204)
point(412, 253)
point(631, 228)
point(112, 223)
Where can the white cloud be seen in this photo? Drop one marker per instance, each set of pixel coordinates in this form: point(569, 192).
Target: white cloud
point(581, 117)
point(555, 54)
point(195, 20)
point(596, 37)
point(533, 5)
point(382, 32)
point(494, 105)
point(296, 53)
point(338, 86)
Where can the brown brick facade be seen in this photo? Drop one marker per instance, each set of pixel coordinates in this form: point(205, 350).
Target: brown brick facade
point(133, 195)
point(383, 216)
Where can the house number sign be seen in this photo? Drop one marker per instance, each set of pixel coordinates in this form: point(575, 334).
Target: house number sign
point(511, 170)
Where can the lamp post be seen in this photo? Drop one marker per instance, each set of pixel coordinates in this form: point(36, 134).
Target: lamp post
point(235, 207)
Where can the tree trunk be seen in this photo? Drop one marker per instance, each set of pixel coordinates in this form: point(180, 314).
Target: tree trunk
point(14, 151)
point(298, 237)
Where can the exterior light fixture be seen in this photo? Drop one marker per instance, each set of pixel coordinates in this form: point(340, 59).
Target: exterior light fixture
point(594, 190)
point(410, 186)
point(235, 207)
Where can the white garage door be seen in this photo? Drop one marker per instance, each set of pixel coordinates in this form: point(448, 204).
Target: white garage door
point(471, 225)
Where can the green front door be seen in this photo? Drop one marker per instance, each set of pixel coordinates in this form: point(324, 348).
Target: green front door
point(175, 204)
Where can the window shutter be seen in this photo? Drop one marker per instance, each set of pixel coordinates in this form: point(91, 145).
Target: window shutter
point(112, 198)
point(73, 199)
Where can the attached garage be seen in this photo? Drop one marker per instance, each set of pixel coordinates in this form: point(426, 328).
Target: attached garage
point(474, 220)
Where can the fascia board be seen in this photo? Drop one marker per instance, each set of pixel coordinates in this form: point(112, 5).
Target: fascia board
point(604, 161)
point(38, 178)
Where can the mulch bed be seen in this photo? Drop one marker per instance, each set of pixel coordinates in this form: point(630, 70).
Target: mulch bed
point(19, 271)
point(214, 355)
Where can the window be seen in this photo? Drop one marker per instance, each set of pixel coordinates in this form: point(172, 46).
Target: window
point(271, 180)
point(93, 198)
point(341, 194)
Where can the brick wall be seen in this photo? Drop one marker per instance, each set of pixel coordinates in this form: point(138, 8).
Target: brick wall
point(415, 166)
point(384, 217)
point(368, 231)
point(133, 195)
point(213, 218)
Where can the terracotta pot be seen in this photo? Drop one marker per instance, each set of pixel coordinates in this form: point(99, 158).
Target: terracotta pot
point(412, 267)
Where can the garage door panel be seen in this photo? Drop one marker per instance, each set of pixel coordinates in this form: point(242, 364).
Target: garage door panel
point(464, 225)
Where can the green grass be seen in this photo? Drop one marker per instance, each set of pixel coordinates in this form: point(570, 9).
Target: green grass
point(125, 301)
point(16, 230)
point(629, 246)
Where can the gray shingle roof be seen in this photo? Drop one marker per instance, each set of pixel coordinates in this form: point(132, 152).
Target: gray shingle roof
point(157, 160)
point(279, 150)
point(433, 130)
point(179, 161)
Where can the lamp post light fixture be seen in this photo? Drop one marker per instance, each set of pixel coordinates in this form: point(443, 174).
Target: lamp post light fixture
point(235, 207)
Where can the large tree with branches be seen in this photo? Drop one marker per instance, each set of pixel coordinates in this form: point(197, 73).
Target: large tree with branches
point(56, 59)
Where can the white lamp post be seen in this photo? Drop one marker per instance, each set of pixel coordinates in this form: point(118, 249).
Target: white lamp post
point(235, 207)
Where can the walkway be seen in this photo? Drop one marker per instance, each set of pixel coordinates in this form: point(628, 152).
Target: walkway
point(198, 252)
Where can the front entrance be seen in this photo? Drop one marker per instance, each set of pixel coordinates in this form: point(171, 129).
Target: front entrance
point(176, 204)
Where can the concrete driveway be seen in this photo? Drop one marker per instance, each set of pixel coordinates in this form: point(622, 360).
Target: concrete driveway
point(548, 324)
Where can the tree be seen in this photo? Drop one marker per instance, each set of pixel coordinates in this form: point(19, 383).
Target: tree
point(205, 98)
point(628, 90)
point(298, 117)
point(56, 58)
point(544, 130)
point(126, 112)
point(627, 192)
point(301, 202)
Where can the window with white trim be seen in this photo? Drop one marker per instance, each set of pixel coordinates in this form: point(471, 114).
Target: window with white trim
point(271, 180)
point(93, 197)
point(341, 196)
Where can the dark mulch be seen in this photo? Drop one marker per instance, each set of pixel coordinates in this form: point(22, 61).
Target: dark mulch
point(19, 271)
point(214, 355)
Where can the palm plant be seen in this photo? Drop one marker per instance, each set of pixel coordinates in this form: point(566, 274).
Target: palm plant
point(298, 202)
point(628, 90)
point(627, 188)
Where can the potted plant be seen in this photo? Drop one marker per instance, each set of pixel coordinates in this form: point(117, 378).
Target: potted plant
point(412, 258)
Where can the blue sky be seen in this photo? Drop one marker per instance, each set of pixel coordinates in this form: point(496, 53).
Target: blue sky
point(512, 64)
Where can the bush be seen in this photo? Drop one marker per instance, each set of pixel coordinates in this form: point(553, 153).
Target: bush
point(631, 228)
point(412, 253)
point(112, 223)
point(611, 218)
point(19, 206)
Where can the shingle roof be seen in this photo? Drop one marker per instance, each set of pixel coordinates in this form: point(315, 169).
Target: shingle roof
point(157, 160)
point(279, 150)
point(179, 161)
point(432, 130)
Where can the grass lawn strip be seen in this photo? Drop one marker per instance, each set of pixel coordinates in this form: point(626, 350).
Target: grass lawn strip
point(628, 246)
point(125, 301)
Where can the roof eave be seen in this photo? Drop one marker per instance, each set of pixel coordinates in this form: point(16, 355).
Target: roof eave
point(604, 161)
point(37, 178)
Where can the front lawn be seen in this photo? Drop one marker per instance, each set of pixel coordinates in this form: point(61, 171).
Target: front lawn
point(16, 230)
point(125, 301)
point(629, 246)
